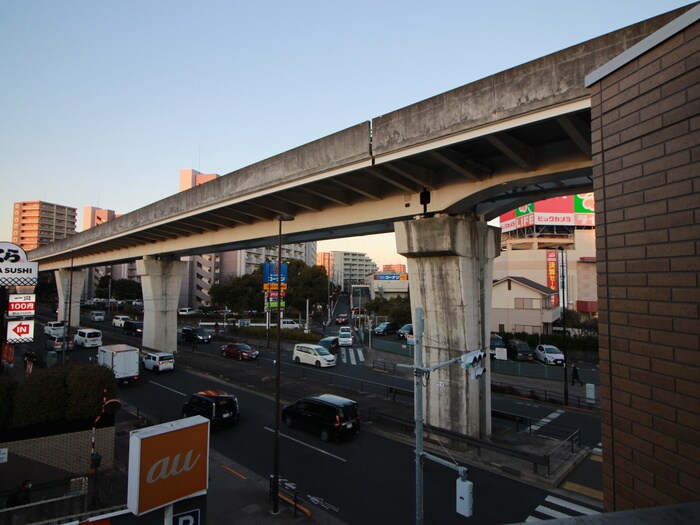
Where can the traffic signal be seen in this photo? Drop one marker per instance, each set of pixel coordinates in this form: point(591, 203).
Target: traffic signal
point(474, 362)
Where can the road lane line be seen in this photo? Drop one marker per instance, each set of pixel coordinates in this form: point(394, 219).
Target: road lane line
point(234, 472)
point(168, 388)
point(309, 446)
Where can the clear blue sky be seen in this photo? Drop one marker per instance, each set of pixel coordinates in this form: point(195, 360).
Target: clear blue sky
point(103, 102)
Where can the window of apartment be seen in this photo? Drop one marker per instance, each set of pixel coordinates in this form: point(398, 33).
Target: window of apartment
point(527, 303)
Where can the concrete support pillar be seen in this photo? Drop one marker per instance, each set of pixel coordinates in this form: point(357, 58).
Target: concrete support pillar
point(69, 284)
point(161, 279)
point(450, 269)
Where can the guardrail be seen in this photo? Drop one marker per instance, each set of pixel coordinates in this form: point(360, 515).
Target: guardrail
point(548, 396)
point(546, 460)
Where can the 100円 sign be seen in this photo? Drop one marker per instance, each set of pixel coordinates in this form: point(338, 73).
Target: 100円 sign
point(21, 305)
point(15, 270)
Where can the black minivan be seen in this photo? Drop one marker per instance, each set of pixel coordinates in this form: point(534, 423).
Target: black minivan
point(219, 407)
point(326, 415)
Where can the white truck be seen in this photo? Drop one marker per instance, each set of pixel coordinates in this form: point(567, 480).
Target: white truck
point(122, 360)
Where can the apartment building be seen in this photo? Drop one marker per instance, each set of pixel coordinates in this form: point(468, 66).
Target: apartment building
point(36, 223)
point(204, 271)
point(93, 216)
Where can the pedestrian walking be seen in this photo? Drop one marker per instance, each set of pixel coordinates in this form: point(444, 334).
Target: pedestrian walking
point(21, 497)
point(574, 376)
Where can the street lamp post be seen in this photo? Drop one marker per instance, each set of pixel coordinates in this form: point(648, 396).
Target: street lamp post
point(563, 323)
point(276, 472)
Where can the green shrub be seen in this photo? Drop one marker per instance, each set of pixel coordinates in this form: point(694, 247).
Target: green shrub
point(40, 398)
point(87, 385)
point(69, 393)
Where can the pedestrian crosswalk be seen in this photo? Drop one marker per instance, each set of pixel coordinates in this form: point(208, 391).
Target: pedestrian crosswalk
point(352, 356)
point(557, 507)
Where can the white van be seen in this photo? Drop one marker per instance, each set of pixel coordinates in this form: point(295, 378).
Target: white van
point(312, 355)
point(290, 324)
point(87, 338)
point(186, 311)
point(54, 328)
point(97, 315)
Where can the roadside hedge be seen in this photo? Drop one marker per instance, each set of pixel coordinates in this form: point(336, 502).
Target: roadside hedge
point(59, 399)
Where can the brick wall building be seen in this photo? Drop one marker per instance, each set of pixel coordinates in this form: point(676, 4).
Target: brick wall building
point(646, 147)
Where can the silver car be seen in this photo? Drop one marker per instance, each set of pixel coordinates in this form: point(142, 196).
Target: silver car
point(345, 336)
point(549, 355)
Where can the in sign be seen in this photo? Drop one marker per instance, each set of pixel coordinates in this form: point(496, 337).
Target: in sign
point(21, 329)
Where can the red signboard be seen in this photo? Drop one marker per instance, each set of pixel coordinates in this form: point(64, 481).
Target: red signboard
point(20, 305)
point(570, 210)
point(553, 275)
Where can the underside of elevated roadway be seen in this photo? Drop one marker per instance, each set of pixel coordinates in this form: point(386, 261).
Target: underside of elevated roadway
point(512, 138)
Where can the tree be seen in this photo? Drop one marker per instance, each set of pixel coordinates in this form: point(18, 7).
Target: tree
point(245, 293)
point(126, 289)
point(306, 282)
point(397, 309)
point(241, 294)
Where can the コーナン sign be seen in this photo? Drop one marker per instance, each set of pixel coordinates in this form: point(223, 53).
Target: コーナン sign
point(168, 463)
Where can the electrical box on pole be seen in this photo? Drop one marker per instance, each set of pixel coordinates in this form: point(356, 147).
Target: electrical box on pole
point(465, 497)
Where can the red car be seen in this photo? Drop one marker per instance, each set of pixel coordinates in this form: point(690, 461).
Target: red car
point(341, 319)
point(240, 350)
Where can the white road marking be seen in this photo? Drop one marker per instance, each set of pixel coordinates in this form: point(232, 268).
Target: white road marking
point(542, 422)
point(309, 446)
point(168, 388)
point(570, 505)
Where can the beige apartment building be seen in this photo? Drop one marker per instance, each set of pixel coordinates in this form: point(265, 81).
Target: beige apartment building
point(527, 288)
point(36, 223)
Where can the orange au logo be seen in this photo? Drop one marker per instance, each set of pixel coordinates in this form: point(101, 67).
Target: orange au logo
point(167, 463)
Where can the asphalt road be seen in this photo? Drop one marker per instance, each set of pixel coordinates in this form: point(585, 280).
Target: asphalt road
point(368, 479)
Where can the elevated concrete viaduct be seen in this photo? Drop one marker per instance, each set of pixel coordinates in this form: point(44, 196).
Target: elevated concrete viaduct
point(512, 138)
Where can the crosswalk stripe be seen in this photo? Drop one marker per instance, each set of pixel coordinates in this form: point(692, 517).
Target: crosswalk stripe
point(355, 356)
point(551, 512)
point(564, 509)
point(569, 505)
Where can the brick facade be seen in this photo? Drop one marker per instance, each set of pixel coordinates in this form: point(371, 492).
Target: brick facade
point(646, 168)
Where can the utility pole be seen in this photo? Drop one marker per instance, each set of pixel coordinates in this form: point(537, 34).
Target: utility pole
point(564, 349)
point(471, 361)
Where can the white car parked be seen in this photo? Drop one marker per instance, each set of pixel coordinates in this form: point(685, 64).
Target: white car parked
point(549, 355)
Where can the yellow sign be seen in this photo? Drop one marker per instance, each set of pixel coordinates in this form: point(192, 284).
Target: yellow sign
point(273, 286)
